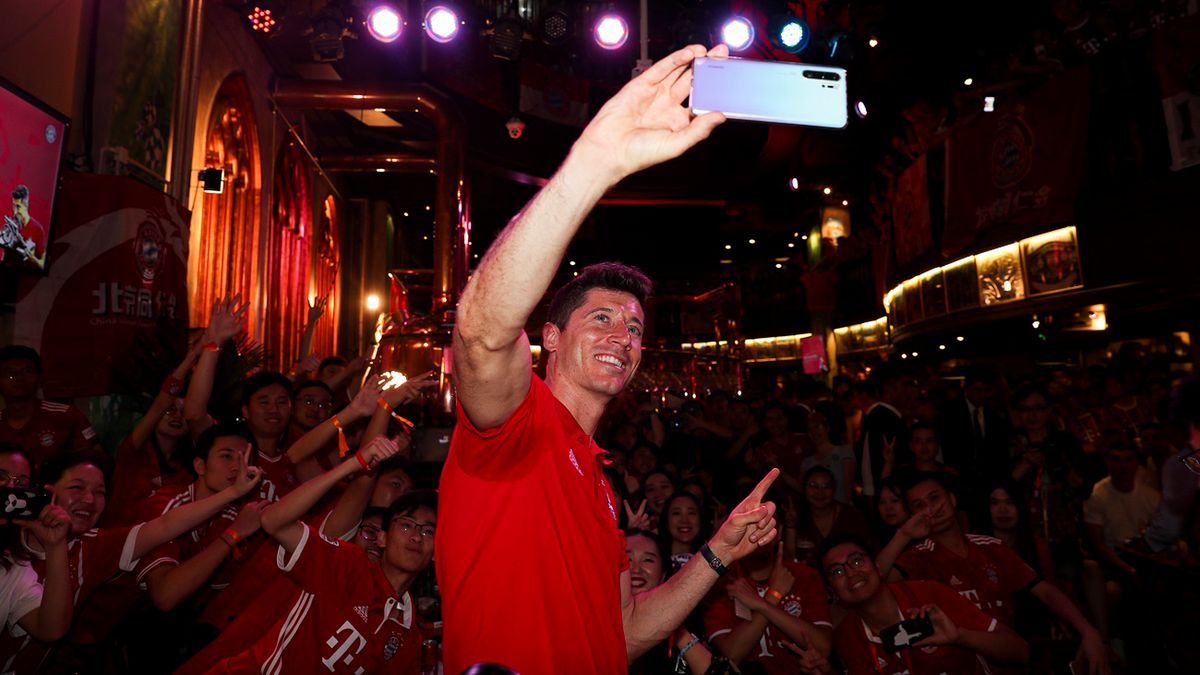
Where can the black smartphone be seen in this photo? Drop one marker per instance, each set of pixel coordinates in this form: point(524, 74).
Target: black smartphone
point(24, 502)
point(905, 633)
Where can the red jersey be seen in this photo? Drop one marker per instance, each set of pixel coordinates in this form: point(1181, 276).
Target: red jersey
point(278, 477)
point(988, 576)
point(863, 654)
point(137, 476)
point(528, 553)
point(54, 429)
point(348, 618)
point(806, 600)
point(185, 546)
point(93, 559)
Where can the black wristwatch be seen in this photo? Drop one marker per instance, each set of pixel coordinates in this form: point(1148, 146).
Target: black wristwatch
point(713, 561)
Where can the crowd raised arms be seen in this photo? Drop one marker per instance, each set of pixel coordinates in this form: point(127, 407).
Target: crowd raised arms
point(893, 522)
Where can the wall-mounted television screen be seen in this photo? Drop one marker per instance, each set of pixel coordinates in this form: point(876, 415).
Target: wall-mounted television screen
point(32, 145)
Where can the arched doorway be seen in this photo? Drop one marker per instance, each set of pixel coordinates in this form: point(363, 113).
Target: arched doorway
point(224, 246)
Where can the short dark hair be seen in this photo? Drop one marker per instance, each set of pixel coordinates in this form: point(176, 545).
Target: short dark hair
point(836, 539)
point(924, 424)
point(54, 469)
point(613, 276)
point(918, 477)
point(21, 193)
point(311, 384)
point(208, 438)
point(16, 352)
point(409, 502)
point(14, 449)
point(261, 380)
point(331, 361)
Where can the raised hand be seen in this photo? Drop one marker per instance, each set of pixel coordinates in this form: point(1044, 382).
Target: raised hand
point(916, 527)
point(248, 476)
point(364, 402)
point(812, 662)
point(227, 320)
point(379, 449)
point(50, 527)
point(411, 389)
point(889, 450)
point(645, 123)
point(636, 520)
point(781, 578)
point(308, 364)
point(316, 309)
point(249, 518)
point(750, 525)
point(739, 589)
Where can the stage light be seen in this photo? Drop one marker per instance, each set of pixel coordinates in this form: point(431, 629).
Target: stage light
point(845, 202)
point(507, 35)
point(611, 31)
point(213, 180)
point(860, 109)
point(556, 25)
point(789, 33)
point(328, 28)
point(384, 23)
point(737, 33)
point(372, 302)
point(794, 183)
point(989, 104)
point(968, 82)
point(441, 24)
point(827, 190)
point(264, 17)
point(873, 43)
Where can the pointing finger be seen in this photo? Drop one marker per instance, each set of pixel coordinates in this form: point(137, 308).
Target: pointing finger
point(760, 490)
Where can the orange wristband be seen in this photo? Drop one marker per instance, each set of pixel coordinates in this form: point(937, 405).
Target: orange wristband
point(212, 347)
point(774, 594)
point(365, 465)
point(343, 446)
point(407, 424)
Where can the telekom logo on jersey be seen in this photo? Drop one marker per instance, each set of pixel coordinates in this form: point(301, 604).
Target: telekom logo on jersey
point(341, 652)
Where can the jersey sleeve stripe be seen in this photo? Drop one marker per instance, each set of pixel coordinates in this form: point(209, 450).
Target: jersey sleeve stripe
point(283, 561)
point(128, 562)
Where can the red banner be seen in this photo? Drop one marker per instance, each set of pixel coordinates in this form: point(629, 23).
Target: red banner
point(912, 229)
point(1019, 164)
point(120, 267)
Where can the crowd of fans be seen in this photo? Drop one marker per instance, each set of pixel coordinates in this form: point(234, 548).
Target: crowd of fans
point(1041, 525)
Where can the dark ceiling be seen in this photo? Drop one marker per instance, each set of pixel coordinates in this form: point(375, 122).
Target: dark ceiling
point(674, 220)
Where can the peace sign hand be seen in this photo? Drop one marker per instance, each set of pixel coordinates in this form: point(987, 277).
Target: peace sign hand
point(248, 476)
point(637, 520)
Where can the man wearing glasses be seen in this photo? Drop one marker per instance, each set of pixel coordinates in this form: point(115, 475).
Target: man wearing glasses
point(43, 429)
point(962, 634)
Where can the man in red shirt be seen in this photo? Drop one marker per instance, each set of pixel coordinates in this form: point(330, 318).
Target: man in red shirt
point(43, 429)
point(962, 633)
point(531, 565)
point(354, 615)
point(33, 233)
point(981, 569)
point(780, 600)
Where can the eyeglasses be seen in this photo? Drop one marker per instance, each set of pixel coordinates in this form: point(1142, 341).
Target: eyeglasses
point(838, 570)
point(318, 403)
point(407, 525)
point(1192, 461)
point(11, 480)
point(368, 533)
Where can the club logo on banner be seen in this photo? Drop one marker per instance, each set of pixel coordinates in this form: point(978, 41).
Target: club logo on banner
point(120, 269)
point(1034, 145)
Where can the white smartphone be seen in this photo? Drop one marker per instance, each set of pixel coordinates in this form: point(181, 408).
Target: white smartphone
point(770, 91)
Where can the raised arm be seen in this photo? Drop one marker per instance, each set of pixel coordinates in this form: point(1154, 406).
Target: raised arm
point(51, 620)
point(227, 320)
point(363, 405)
point(189, 516)
point(167, 394)
point(316, 310)
point(282, 520)
point(642, 125)
point(650, 617)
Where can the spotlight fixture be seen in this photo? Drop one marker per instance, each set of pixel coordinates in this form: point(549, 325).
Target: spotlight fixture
point(737, 33)
point(794, 183)
point(873, 42)
point(611, 31)
point(968, 82)
point(506, 36)
point(213, 180)
point(384, 23)
point(989, 104)
point(789, 32)
point(441, 24)
point(556, 25)
point(860, 109)
point(264, 16)
point(827, 190)
point(329, 27)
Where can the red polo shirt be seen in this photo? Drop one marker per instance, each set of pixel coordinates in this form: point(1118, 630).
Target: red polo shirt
point(528, 552)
